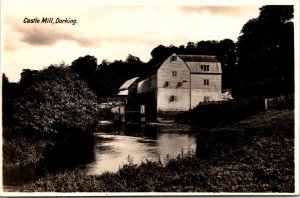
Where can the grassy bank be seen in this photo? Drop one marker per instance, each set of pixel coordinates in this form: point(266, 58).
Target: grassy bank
point(21, 151)
point(258, 157)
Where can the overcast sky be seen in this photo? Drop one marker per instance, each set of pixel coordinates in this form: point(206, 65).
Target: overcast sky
point(108, 31)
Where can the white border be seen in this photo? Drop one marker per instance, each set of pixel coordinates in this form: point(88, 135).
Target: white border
point(168, 3)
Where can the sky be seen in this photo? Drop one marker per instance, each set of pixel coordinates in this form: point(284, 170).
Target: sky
point(109, 31)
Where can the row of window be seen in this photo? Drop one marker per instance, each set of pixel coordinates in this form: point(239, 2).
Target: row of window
point(174, 98)
point(203, 67)
point(168, 84)
point(180, 84)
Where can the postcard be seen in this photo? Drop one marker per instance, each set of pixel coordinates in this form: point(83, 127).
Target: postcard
point(131, 98)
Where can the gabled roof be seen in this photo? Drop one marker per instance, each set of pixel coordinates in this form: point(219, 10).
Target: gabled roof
point(198, 58)
point(129, 82)
point(143, 86)
point(194, 63)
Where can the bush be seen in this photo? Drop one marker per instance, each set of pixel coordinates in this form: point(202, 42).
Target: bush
point(58, 99)
point(211, 113)
point(58, 108)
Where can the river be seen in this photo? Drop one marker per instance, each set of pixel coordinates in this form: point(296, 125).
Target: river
point(112, 151)
point(114, 148)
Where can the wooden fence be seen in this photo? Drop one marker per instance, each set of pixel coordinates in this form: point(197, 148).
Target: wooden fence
point(281, 102)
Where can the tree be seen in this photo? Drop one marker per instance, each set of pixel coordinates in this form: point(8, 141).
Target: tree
point(107, 84)
point(57, 102)
point(28, 77)
point(133, 59)
point(266, 53)
point(160, 53)
point(227, 56)
point(10, 93)
point(85, 66)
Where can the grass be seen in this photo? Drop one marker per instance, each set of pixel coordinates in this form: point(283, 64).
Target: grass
point(258, 156)
point(21, 151)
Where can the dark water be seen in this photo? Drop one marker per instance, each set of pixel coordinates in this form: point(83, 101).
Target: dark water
point(13, 176)
point(111, 150)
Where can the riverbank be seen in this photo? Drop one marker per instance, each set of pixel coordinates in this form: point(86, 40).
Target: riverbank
point(22, 151)
point(263, 163)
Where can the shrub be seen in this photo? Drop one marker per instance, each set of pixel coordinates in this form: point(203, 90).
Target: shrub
point(58, 99)
point(211, 113)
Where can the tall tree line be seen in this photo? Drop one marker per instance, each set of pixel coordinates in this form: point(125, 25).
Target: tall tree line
point(265, 51)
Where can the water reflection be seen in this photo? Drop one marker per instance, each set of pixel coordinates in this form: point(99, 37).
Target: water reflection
point(152, 143)
point(151, 132)
point(112, 148)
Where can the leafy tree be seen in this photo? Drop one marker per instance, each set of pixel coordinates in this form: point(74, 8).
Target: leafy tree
point(190, 45)
point(207, 47)
point(227, 56)
point(28, 77)
point(85, 66)
point(106, 82)
point(58, 100)
point(160, 53)
point(133, 59)
point(266, 53)
point(10, 92)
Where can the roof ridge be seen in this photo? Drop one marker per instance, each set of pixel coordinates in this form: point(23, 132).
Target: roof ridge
point(196, 55)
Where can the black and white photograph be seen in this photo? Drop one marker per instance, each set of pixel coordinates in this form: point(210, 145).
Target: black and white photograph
point(148, 98)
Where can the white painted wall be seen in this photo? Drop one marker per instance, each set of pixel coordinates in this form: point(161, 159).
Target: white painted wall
point(181, 93)
point(199, 94)
point(214, 82)
point(182, 102)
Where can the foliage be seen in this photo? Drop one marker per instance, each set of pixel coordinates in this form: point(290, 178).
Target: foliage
point(264, 164)
point(111, 76)
point(209, 114)
point(56, 100)
point(266, 53)
point(10, 91)
point(85, 66)
point(23, 151)
point(28, 77)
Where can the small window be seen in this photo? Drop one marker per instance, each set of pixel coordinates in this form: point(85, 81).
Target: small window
point(206, 98)
point(174, 73)
point(167, 84)
point(173, 58)
point(205, 67)
point(206, 82)
point(179, 84)
point(173, 99)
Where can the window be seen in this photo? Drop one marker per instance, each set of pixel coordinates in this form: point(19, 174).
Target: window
point(173, 58)
point(206, 98)
point(206, 82)
point(205, 67)
point(174, 73)
point(172, 99)
point(179, 84)
point(167, 84)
